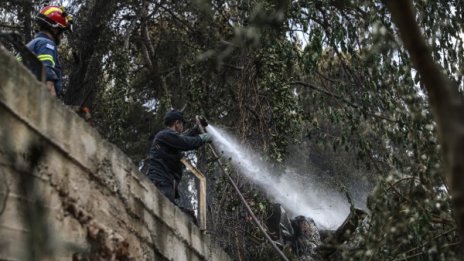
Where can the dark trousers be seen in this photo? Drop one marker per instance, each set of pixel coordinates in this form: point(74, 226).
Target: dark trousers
point(168, 189)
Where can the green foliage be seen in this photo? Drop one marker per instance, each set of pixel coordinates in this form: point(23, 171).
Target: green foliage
point(276, 69)
point(419, 223)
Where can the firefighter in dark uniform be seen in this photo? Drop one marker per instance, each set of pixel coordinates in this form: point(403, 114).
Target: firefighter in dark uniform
point(164, 165)
point(53, 21)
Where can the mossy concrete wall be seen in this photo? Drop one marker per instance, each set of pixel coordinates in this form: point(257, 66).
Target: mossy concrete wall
point(67, 194)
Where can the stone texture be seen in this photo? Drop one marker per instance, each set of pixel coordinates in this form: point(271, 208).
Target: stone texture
point(68, 194)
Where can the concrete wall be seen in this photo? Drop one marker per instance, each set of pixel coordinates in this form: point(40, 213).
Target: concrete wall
point(67, 194)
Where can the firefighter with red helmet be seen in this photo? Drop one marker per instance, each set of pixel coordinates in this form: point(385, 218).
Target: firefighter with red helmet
point(52, 21)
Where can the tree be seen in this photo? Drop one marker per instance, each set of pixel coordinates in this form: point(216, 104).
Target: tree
point(87, 42)
point(446, 101)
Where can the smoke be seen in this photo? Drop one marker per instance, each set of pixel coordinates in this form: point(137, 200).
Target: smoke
point(298, 194)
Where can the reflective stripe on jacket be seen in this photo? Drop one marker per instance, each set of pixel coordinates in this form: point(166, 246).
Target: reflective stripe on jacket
point(46, 50)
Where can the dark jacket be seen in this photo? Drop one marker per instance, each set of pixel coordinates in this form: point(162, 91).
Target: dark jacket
point(46, 50)
point(164, 166)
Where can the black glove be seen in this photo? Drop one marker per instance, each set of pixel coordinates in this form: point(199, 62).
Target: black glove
point(202, 121)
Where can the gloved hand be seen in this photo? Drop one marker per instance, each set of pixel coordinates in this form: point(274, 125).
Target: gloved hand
point(205, 137)
point(202, 121)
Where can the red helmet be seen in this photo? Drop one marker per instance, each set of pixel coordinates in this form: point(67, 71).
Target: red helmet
point(55, 17)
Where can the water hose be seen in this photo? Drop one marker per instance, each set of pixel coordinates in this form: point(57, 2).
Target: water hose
point(242, 198)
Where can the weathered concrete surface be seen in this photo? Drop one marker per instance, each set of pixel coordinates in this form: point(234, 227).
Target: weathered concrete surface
point(97, 205)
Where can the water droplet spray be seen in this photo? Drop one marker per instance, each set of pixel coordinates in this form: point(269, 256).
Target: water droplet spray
point(298, 194)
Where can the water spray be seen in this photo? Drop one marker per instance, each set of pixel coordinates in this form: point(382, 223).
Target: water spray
point(245, 203)
point(300, 194)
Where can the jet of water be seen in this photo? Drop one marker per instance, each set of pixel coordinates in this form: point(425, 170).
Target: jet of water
point(299, 194)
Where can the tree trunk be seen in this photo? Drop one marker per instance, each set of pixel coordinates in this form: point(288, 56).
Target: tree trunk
point(88, 51)
point(25, 11)
point(446, 101)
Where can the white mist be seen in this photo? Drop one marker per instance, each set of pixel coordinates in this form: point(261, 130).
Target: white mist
point(298, 194)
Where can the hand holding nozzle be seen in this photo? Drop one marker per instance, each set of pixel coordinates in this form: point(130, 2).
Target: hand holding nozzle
point(205, 137)
point(201, 121)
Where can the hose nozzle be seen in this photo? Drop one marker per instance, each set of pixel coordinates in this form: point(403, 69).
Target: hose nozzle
point(201, 122)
